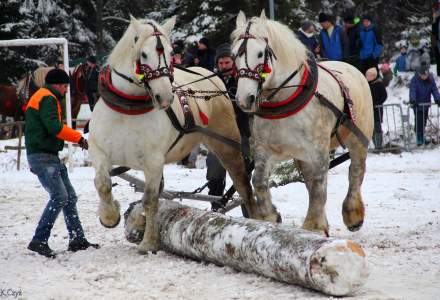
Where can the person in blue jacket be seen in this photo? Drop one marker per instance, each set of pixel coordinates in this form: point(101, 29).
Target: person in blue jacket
point(400, 65)
point(371, 44)
point(421, 88)
point(332, 39)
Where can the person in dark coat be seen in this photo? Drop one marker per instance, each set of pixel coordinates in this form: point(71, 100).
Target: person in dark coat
point(91, 81)
point(332, 40)
point(371, 44)
point(421, 88)
point(379, 95)
point(306, 35)
point(204, 55)
point(216, 174)
point(351, 28)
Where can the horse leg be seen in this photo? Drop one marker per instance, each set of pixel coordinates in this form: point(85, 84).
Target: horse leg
point(233, 161)
point(353, 210)
point(260, 180)
point(108, 207)
point(150, 203)
point(315, 176)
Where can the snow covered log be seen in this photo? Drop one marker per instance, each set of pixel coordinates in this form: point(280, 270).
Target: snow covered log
point(292, 255)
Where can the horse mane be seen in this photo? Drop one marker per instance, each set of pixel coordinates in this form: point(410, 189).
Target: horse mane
point(127, 45)
point(283, 41)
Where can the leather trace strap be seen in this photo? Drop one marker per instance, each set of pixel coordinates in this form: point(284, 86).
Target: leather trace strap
point(190, 125)
point(343, 119)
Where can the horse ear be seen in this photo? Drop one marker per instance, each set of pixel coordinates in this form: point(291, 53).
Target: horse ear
point(136, 24)
point(169, 25)
point(263, 15)
point(241, 19)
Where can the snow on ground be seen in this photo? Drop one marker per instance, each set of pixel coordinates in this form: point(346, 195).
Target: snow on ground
point(401, 236)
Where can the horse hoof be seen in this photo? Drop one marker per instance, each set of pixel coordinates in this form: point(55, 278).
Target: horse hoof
point(356, 227)
point(108, 226)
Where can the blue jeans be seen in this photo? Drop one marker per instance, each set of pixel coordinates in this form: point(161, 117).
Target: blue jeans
point(54, 178)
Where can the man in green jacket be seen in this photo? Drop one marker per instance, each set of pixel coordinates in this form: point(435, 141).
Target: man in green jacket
point(45, 134)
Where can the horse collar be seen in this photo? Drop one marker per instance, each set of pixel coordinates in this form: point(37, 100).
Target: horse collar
point(118, 100)
point(299, 98)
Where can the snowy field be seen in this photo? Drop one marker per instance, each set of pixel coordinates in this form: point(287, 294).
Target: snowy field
point(401, 236)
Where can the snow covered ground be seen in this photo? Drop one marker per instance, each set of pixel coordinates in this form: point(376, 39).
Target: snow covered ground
point(401, 236)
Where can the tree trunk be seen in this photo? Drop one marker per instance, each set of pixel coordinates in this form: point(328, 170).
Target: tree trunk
point(296, 256)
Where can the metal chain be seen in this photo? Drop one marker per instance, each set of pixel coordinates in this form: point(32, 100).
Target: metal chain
point(205, 95)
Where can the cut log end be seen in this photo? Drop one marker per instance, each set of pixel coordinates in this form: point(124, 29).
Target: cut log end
point(339, 268)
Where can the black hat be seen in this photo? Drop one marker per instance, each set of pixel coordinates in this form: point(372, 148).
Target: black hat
point(223, 50)
point(423, 69)
point(367, 17)
point(92, 59)
point(323, 17)
point(204, 41)
point(57, 76)
point(177, 50)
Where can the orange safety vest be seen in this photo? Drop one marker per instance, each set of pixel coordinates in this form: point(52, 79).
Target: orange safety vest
point(66, 133)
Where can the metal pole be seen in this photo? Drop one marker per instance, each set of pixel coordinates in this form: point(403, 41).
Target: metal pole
point(68, 104)
point(49, 41)
point(271, 10)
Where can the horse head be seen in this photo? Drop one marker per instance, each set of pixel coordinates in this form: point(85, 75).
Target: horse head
point(145, 53)
point(262, 58)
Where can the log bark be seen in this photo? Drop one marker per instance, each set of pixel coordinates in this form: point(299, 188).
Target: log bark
point(333, 266)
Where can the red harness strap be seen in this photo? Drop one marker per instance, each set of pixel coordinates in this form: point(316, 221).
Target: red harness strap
point(296, 94)
point(120, 101)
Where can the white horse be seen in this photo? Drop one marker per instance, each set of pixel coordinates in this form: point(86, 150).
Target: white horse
point(268, 56)
point(143, 141)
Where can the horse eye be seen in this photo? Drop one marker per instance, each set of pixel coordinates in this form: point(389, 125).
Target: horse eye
point(260, 54)
point(144, 55)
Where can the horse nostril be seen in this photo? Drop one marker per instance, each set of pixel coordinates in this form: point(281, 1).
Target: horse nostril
point(251, 99)
point(158, 97)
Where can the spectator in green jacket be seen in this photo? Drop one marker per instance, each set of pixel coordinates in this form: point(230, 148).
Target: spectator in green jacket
point(45, 134)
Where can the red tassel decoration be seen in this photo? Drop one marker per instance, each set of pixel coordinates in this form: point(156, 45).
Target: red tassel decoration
point(266, 68)
point(204, 118)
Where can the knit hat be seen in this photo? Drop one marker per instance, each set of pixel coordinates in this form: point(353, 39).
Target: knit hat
point(177, 50)
point(92, 59)
point(423, 69)
point(367, 17)
point(306, 25)
point(57, 76)
point(223, 50)
point(204, 41)
point(323, 17)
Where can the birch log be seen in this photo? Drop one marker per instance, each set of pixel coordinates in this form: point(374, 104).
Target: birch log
point(292, 255)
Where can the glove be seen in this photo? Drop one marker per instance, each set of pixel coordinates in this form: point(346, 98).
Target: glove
point(83, 144)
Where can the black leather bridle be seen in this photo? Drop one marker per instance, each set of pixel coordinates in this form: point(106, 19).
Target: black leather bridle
point(148, 73)
point(256, 73)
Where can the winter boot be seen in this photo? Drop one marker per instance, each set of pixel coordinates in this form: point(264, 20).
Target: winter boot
point(41, 248)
